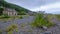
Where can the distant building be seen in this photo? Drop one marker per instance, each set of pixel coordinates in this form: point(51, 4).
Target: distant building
point(41, 11)
point(31, 13)
point(10, 12)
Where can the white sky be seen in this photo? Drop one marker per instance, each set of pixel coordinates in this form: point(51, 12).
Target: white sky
point(47, 7)
point(50, 6)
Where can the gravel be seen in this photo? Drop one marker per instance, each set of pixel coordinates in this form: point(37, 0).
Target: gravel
point(24, 26)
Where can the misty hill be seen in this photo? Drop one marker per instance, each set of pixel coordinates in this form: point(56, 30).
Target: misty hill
point(13, 6)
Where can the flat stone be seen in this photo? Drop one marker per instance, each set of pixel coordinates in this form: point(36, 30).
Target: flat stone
point(44, 27)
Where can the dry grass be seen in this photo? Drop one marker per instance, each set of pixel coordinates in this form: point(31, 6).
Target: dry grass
point(11, 28)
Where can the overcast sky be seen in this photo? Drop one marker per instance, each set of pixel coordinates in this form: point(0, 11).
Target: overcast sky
point(50, 6)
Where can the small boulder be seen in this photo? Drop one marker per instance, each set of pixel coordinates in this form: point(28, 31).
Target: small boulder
point(44, 28)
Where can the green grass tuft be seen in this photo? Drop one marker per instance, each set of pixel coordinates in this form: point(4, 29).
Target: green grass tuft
point(41, 21)
point(58, 16)
point(0, 31)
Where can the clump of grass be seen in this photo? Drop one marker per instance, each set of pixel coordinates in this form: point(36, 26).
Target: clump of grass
point(10, 32)
point(41, 21)
point(58, 16)
point(4, 16)
point(0, 31)
point(20, 17)
point(11, 28)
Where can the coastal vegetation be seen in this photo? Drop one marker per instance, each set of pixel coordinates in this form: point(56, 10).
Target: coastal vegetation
point(25, 19)
point(4, 16)
point(41, 21)
point(11, 28)
point(0, 31)
point(58, 16)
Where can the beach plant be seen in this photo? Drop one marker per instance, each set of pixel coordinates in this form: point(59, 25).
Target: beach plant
point(0, 31)
point(41, 21)
point(11, 28)
point(6, 16)
point(20, 17)
point(58, 16)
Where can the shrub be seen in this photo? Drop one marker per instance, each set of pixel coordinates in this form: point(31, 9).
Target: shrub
point(20, 17)
point(58, 16)
point(22, 13)
point(5, 16)
point(1, 10)
point(41, 21)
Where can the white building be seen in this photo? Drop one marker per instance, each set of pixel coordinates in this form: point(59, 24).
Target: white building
point(10, 12)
